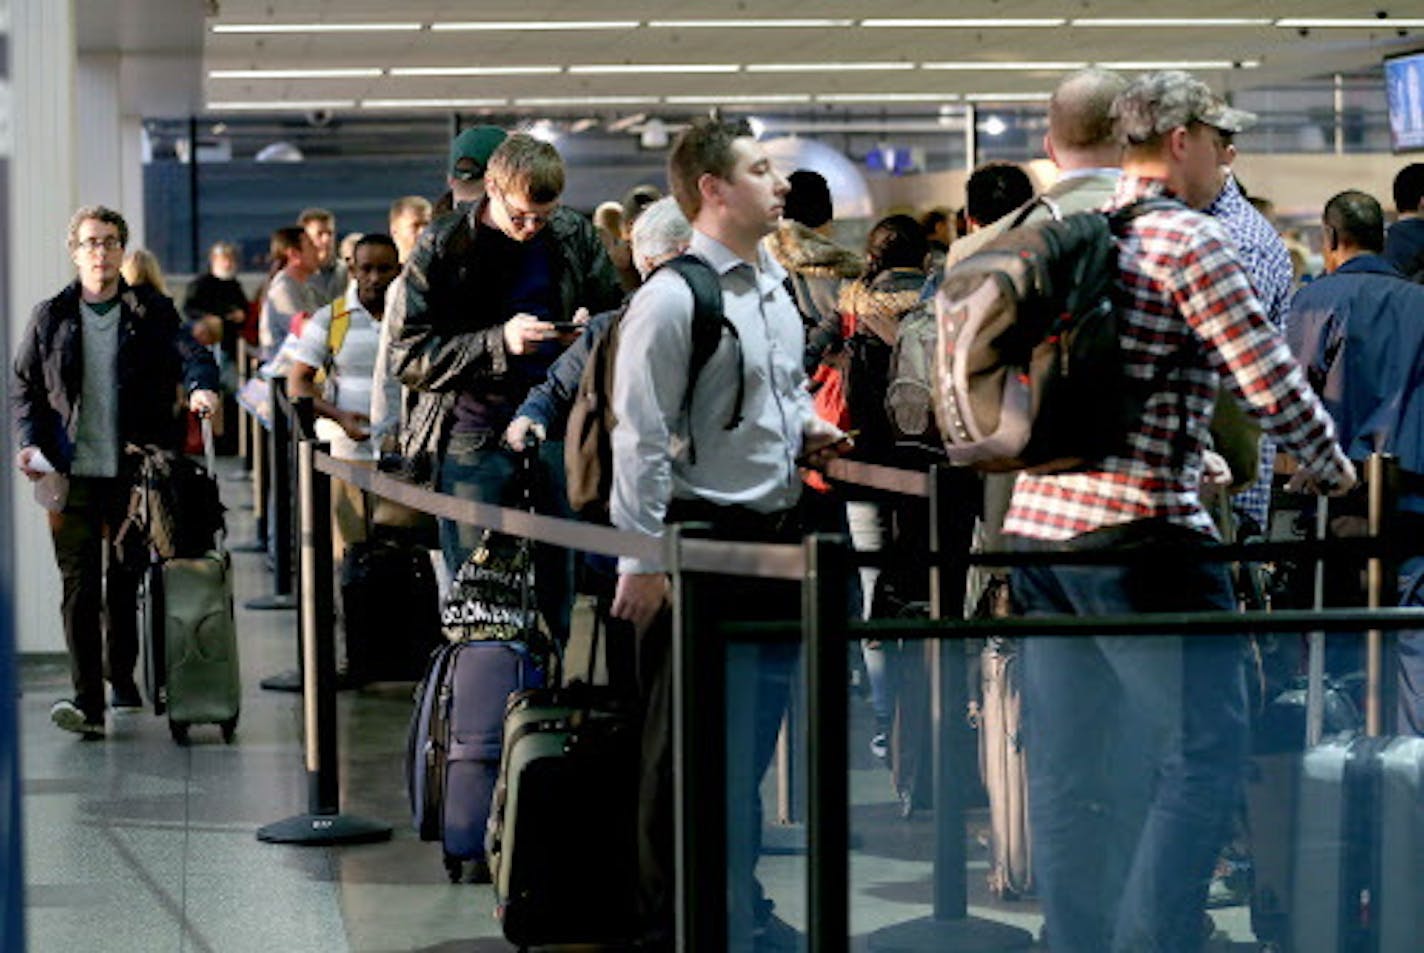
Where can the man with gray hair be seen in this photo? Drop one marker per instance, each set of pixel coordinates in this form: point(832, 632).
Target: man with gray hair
point(1168, 714)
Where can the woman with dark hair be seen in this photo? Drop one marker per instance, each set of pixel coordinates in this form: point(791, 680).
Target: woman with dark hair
point(871, 308)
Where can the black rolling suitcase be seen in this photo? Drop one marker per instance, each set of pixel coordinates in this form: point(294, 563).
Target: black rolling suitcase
point(391, 609)
point(562, 840)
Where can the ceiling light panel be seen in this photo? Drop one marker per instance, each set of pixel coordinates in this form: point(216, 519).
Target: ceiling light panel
point(964, 23)
point(1175, 22)
point(1146, 65)
point(873, 98)
point(827, 67)
point(405, 27)
point(525, 25)
point(432, 103)
point(769, 99)
point(614, 69)
point(586, 101)
point(803, 23)
point(1362, 23)
point(338, 73)
point(280, 104)
point(970, 66)
point(475, 70)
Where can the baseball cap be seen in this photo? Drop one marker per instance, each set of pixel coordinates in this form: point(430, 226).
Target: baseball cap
point(471, 150)
point(1157, 103)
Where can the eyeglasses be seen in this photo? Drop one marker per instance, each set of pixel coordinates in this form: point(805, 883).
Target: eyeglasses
point(521, 218)
point(99, 244)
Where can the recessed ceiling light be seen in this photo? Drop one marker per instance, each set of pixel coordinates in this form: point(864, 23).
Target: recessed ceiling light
point(1169, 21)
point(1371, 23)
point(805, 22)
point(281, 104)
point(971, 66)
point(522, 25)
point(827, 67)
point(972, 23)
point(354, 72)
point(431, 103)
point(474, 70)
point(315, 27)
point(611, 69)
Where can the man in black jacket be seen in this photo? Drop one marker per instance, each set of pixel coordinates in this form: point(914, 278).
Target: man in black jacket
point(98, 368)
point(476, 328)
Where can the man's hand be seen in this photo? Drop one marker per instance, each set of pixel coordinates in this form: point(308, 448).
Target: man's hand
point(356, 424)
point(23, 460)
point(518, 429)
point(640, 597)
point(1215, 470)
point(523, 332)
point(819, 449)
point(204, 403)
point(1305, 482)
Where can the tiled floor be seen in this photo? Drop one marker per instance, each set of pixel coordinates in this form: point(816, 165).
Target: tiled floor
point(135, 845)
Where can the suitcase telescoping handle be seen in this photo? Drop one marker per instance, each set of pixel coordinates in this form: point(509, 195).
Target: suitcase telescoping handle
point(1377, 475)
point(205, 425)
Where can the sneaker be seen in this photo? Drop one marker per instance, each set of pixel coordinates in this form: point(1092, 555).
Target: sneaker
point(125, 698)
point(880, 746)
point(67, 715)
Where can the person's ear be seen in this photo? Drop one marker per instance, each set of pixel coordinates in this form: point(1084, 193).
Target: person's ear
point(1329, 238)
point(709, 187)
point(1177, 141)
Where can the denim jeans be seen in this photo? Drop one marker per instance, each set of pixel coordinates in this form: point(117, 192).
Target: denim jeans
point(475, 467)
point(1411, 651)
point(1136, 746)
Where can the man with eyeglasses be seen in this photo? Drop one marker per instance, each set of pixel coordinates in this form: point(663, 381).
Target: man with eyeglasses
point(97, 369)
point(489, 295)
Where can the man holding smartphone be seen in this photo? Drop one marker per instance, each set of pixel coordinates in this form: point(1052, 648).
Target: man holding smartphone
point(478, 325)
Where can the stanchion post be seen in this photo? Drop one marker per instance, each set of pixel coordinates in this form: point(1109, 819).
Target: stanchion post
point(245, 422)
point(699, 764)
point(953, 501)
point(1381, 662)
point(323, 824)
point(278, 499)
point(824, 633)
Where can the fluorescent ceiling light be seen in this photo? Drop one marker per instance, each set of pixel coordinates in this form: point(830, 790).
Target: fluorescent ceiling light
point(964, 22)
point(887, 97)
point(1387, 23)
point(474, 70)
point(586, 101)
point(617, 68)
point(281, 104)
point(315, 27)
point(826, 67)
point(522, 25)
point(735, 24)
point(1007, 97)
point(1177, 64)
point(713, 100)
point(1169, 21)
point(431, 103)
point(971, 66)
point(342, 73)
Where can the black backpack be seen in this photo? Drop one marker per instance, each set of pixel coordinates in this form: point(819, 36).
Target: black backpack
point(1029, 363)
point(588, 438)
point(174, 506)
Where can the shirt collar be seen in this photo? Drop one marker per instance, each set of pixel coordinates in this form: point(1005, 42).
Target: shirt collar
point(1131, 187)
point(1112, 172)
point(353, 300)
point(723, 259)
point(1369, 264)
point(1228, 201)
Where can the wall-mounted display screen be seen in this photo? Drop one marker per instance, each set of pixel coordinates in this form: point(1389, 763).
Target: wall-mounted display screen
point(1404, 83)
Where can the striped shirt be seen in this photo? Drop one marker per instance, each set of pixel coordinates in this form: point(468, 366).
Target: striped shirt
point(1267, 263)
point(1189, 315)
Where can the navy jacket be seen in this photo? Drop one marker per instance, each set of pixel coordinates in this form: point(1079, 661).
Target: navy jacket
point(156, 355)
point(1359, 335)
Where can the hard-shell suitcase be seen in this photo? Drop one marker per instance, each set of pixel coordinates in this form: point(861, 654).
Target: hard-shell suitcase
point(391, 608)
point(190, 636)
point(455, 742)
point(563, 828)
point(1005, 771)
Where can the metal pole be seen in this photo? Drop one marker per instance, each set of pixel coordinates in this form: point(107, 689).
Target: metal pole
point(823, 641)
point(323, 824)
point(278, 499)
point(1381, 473)
point(699, 765)
point(245, 422)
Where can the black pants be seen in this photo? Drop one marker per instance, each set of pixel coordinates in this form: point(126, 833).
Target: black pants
point(759, 682)
point(100, 593)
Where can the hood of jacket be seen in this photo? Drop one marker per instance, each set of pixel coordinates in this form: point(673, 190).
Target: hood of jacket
point(876, 308)
point(799, 249)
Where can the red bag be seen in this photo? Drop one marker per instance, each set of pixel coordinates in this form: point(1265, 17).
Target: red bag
point(829, 397)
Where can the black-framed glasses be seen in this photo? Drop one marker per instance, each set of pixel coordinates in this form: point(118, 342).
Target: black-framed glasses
point(108, 243)
point(520, 217)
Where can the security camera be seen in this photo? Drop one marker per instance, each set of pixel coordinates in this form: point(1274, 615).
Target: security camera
point(320, 117)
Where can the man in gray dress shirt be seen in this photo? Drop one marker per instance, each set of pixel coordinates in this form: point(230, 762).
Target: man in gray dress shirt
point(743, 481)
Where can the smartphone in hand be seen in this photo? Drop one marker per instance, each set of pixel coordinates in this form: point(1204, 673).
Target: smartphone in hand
point(568, 327)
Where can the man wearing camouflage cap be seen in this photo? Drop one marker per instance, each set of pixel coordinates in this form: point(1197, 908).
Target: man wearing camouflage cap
point(1137, 742)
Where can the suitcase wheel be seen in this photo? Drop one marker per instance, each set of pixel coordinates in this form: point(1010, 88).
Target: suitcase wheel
point(229, 730)
point(454, 868)
point(179, 731)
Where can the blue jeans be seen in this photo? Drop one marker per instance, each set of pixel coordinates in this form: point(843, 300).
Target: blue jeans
point(1411, 651)
point(475, 467)
point(1136, 746)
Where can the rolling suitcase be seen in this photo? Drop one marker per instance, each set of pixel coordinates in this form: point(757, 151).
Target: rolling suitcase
point(391, 609)
point(562, 839)
point(190, 635)
point(1005, 771)
point(456, 733)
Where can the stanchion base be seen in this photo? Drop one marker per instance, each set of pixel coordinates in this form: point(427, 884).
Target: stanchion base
point(275, 602)
point(789, 840)
point(251, 546)
point(319, 830)
point(970, 935)
point(289, 681)
point(238, 476)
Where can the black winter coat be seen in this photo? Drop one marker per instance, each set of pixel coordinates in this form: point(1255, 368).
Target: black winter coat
point(156, 354)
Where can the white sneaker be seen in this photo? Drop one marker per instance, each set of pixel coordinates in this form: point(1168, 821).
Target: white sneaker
point(67, 715)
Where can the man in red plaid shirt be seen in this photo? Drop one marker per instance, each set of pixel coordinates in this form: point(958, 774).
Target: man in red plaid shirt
point(1138, 742)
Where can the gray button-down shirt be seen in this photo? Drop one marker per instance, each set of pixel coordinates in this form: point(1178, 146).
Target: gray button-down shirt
point(753, 465)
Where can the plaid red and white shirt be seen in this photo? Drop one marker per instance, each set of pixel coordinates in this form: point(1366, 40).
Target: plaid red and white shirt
point(1190, 320)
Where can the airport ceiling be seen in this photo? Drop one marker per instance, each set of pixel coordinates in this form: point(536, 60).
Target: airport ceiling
point(607, 58)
